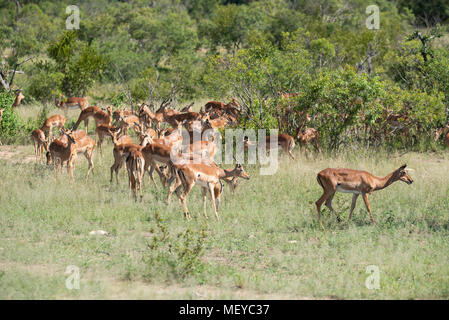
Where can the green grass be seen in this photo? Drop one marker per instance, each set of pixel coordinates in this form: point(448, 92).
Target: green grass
point(268, 243)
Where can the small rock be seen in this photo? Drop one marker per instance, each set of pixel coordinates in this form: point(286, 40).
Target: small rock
point(292, 241)
point(99, 233)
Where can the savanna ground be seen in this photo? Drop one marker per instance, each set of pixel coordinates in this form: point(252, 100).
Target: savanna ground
point(268, 244)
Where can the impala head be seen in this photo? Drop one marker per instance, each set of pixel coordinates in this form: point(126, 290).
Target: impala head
point(145, 139)
point(69, 135)
point(402, 174)
point(239, 170)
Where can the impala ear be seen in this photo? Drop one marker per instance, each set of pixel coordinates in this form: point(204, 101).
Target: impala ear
point(403, 167)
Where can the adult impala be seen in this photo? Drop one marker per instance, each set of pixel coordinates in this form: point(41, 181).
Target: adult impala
point(286, 142)
point(121, 151)
point(100, 117)
point(40, 144)
point(306, 136)
point(18, 99)
point(207, 176)
point(73, 102)
point(356, 182)
point(61, 152)
point(83, 144)
point(53, 121)
point(135, 163)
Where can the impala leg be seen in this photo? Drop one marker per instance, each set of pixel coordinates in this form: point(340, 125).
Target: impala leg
point(183, 199)
point(161, 175)
point(70, 169)
point(204, 195)
point(173, 187)
point(150, 173)
point(317, 146)
point(139, 185)
point(321, 200)
point(354, 200)
point(90, 162)
point(329, 205)
point(117, 169)
point(368, 207)
point(36, 152)
point(212, 197)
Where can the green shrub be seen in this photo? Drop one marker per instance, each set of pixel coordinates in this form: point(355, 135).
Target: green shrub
point(11, 122)
point(174, 256)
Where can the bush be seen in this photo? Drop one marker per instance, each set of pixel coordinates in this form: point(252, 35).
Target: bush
point(177, 257)
point(11, 123)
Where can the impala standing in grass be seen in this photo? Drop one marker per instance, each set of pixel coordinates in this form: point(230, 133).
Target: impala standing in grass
point(208, 177)
point(356, 182)
point(54, 121)
point(40, 143)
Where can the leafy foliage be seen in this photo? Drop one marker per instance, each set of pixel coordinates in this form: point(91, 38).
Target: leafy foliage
point(255, 51)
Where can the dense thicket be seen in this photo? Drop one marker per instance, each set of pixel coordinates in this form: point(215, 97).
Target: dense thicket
point(350, 79)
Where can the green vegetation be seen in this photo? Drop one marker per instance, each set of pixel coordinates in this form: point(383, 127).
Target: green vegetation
point(250, 50)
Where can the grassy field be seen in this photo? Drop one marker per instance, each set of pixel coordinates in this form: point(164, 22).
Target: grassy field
point(268, 244)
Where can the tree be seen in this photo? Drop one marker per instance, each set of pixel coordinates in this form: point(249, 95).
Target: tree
point(80, 63)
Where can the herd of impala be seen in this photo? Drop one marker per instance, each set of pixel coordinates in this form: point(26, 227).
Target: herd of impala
point(157, 145)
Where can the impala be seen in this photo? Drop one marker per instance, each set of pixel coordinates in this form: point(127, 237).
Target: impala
point(121, 152)
point(103, 131)
point(286, 142)
point(215, 124)
point(141, 132)
point(99, 116)
point(116, 114)
point(153, 153)
point(146, 116)
point(63, 151)
point(135, 164)
point(187, 108)
point(74, 102)
point(215, 105)
point(355, 182)
point(84, 144)
point(442, 132)
point(127, 121)
point(18, 99)
point(207, 176)
point(309, 135)
point(54, 121)
point(40, 143)
point(174, 119)
point(204, 149)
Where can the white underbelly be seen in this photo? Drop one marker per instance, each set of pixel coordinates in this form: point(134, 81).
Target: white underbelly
point(340, 189)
